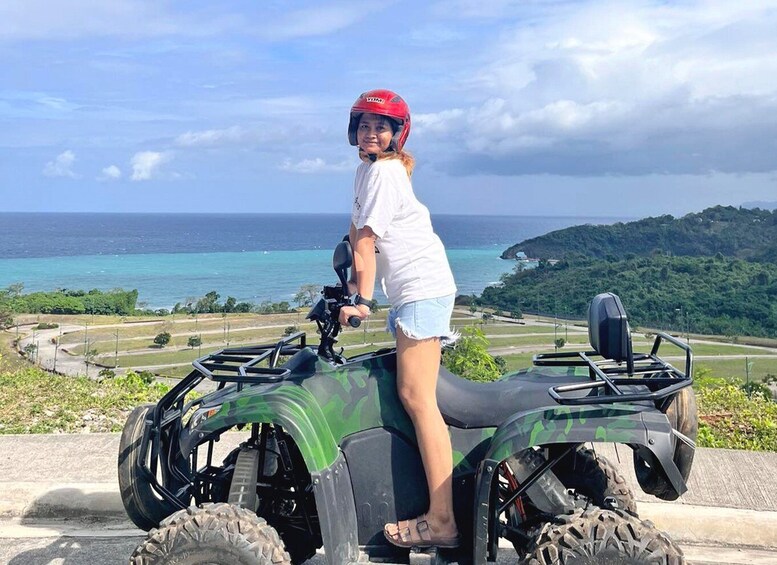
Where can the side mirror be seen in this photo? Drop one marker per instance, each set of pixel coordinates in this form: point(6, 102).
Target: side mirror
point(342, 259)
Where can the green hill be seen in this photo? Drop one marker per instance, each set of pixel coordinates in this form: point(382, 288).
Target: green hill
point(731, 232)
point(706, 295)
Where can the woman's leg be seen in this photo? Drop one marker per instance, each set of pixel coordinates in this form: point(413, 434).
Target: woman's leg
point(418, 365)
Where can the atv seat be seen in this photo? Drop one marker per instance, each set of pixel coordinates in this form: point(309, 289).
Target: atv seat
point(468, 404)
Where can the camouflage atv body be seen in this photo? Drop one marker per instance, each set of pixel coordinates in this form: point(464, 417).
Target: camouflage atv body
point(332, 455)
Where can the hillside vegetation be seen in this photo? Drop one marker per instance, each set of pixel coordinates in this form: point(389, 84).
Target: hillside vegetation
point(704, 295)
point(733, 232)
point(714, 272)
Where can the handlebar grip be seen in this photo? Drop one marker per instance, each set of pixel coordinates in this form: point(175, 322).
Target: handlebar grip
point(354, 322)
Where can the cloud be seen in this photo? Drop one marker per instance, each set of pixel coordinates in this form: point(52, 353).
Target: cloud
point(22, 20)
point(146, 164)
point(212, 137)
point(61, 166)
point(111, 172)
point(619, 88)
point(35, 20)
point(317, 165)
point(316, 20)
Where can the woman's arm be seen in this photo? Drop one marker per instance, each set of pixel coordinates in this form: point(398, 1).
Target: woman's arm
point(352, 232)
point(364, 267)
point(364, 261)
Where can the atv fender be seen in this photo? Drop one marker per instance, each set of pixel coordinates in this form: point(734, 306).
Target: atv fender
point(287, 405)
point(631, 424)
point(297, 412)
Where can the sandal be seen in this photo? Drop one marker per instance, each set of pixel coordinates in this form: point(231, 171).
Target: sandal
point(416, 533)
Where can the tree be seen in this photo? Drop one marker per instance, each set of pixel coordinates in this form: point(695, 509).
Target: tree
point(6, 317)
point(487, 316)
point(516, 314)
point(15, 290)
point(194, 341)
point(559, 343)
point(306, 295)
point(208, 303)
point(162, 339)
point(89, 356)
point(229, 305)
point(290, 330)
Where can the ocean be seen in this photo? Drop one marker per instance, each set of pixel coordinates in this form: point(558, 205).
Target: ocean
point(252, 257)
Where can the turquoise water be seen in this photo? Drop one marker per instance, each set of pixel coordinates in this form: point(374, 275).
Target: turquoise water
point(162, 279)
point(252, 257)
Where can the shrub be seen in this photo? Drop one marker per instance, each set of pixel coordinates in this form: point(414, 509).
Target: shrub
point(754, 388)
point(729, 418)
point(35, 401)
point(194, 341)
point(46, 326)
point(290, 330)
point(30, 349)
point(469, 357)
point(146, 377)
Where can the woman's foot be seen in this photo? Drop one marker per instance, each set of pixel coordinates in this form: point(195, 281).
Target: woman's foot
point(418, 532)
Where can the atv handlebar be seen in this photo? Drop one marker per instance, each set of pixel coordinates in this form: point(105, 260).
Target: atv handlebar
point(354, 321)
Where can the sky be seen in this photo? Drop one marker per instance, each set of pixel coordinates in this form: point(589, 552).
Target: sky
point(543, 108)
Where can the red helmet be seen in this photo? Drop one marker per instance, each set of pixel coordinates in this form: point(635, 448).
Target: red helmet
point(382, 103)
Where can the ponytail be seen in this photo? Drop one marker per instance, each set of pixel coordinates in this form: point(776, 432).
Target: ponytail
point(407, 160)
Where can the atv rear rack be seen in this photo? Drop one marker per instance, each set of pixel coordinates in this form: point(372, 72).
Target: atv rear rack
point(653, 378)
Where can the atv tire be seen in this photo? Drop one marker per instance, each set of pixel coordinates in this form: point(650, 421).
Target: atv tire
point(212, 534)
point(596, 478)
point(603, 536)
point(143, 506)
point(683, 417)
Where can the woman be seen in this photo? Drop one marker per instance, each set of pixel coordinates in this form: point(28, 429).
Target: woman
point(392, 239)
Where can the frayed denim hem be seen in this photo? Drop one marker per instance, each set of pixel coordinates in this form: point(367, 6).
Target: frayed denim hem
point(446, 340)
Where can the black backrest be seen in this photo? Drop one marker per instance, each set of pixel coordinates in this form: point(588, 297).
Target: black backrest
point(608, 327)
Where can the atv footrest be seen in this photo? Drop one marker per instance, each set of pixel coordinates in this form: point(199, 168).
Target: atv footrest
point(427, 556)
point(417, 556)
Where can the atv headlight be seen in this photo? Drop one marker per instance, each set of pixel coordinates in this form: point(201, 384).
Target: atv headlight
point(203, 414)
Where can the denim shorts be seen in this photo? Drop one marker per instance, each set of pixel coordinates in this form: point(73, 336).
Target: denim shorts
point(424, 319)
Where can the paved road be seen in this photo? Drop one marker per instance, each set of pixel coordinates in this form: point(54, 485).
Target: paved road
point(110, 543)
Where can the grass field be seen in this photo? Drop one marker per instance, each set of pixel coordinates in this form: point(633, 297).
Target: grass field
point(136, 348)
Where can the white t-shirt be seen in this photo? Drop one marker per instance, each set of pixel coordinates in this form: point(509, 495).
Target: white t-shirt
point(411, 260)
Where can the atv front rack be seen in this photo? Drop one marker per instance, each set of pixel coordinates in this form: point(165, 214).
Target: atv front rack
point(238, 365)
point(646, 376)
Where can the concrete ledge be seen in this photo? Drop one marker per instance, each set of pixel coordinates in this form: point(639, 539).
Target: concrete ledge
point(60, 500)
point(685, 523)
point(708, 525)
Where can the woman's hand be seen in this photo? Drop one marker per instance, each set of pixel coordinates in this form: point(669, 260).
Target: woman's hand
point(361, 311)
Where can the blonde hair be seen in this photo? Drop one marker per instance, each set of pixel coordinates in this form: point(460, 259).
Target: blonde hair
point(407, 160)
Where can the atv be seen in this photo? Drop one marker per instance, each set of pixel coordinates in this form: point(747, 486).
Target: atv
point(328, 454)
